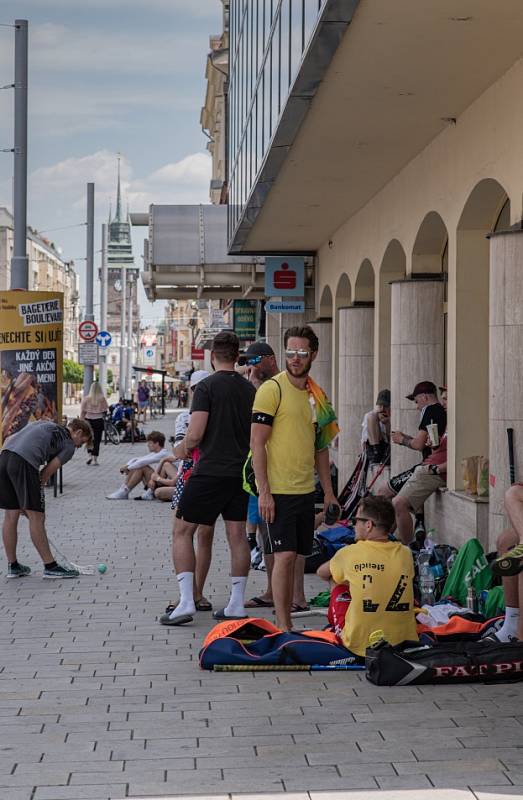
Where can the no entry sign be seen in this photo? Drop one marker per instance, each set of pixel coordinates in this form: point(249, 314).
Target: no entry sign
point(88, 330)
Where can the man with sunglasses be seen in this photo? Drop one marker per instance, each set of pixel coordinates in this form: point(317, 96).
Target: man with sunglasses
point(379, 572)
point(283, 444)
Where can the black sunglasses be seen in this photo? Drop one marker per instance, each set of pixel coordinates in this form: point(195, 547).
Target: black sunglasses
point(354, 520)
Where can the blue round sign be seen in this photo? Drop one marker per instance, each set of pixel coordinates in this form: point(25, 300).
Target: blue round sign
point(103, 339)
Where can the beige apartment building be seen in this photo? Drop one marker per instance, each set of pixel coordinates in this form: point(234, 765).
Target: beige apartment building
point(48, 272)
point(383, 139)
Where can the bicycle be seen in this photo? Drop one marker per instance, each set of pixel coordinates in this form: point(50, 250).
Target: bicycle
point(111, 434)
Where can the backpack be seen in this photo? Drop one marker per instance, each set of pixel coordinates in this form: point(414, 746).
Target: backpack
point(249, 478)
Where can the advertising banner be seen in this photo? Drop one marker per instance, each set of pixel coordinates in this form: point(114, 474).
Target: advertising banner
point(31, 358)
point(244, 315)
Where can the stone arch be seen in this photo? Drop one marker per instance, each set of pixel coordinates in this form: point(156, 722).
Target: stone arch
point(326, 304)
point(364, 286)
point(343, 297)
point(486, 207)
point(393, 267)
point(430, 245)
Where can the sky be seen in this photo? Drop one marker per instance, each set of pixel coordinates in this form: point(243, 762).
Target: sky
point(108, 77)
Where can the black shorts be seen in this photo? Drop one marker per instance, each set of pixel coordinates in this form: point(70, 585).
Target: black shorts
point(397, 482)
point(205, 497)
point(20, 485)
point(293, 526)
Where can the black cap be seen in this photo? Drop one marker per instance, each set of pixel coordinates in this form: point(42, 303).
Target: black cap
point(424, 387)
point(383, 398)
point(255, 349)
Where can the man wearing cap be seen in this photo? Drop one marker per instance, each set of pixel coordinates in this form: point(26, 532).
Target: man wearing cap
point(260, 361)
point(375, 436)
point(411, 488)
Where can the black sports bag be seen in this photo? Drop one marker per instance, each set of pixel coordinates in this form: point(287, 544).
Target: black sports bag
point(412, 663)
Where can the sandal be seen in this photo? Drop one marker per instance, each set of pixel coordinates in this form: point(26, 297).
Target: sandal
point(296, 609)
point(203, 604)
point(259, 602)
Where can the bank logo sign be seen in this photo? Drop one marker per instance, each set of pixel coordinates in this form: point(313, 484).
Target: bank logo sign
point(284, 276)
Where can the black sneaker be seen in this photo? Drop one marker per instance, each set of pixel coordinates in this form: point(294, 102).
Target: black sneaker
point(17, 571)
point(60, 572)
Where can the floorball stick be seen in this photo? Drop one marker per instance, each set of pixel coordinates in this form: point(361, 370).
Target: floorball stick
point(511, 462)
point(286, 667)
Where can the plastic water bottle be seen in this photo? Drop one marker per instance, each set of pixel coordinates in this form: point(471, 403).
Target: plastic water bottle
point(430, 543)
point(426, 579)
point(451, 560)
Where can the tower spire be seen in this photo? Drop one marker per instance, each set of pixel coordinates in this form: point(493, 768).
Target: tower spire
point(118, 217)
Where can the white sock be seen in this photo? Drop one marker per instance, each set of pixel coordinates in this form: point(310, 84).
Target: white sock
point(235, 607)
point(509, 630)
point(185, 585)
point(149, 493)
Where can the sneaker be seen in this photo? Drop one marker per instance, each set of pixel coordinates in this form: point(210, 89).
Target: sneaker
point(17, 571)
point(120, 494)
point(148, 495)
point(60, 572)
point(510, 563)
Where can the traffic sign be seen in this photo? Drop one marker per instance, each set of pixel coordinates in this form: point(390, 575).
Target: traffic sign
point(149, 370)
point(88, 330)
point(285, 306)
point(87, 353)
point(103, 339)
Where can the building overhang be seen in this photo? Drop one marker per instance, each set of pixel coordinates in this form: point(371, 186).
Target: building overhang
point(380, 80)
point(185, 256)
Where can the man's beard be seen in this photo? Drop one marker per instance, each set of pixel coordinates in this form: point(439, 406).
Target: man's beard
point(301, 371)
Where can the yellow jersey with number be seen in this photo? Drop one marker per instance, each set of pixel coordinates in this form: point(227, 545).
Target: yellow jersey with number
point(290, 449)
point(380, 576)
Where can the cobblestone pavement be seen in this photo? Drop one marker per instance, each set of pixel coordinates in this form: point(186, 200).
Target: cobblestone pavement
point(99, 701)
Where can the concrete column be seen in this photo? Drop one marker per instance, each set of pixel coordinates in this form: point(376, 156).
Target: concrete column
point(355, 386)
point(417, 354)
point(321, 370)
point(505, 368)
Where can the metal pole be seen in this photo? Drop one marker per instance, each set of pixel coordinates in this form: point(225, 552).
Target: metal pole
point(123, 320)
point(89, 277)
point(103, 309)
point(130, 339)
point(19, 260)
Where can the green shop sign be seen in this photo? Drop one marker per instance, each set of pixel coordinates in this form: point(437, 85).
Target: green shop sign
point(244, 318)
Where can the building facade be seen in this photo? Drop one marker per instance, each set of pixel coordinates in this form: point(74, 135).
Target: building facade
point(401, 174)
point(48, 272)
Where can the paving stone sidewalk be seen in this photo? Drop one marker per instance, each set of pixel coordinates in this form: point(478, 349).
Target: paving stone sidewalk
point(98, 701)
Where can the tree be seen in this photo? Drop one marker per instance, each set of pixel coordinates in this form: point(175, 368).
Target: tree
point(72, 372)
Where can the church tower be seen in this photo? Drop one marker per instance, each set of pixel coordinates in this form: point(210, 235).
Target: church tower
point(120, 256)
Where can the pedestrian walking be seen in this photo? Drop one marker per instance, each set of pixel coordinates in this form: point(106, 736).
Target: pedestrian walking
point(292, 425)
point(143, 394)
point(219, 427)
point(94, 407)
point(22, 484)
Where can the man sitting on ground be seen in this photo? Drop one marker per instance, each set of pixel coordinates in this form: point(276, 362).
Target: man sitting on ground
point(413, 487)
point(141, 469)
point(379, 573)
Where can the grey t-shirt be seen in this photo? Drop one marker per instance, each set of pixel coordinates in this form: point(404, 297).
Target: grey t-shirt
point(39, 442)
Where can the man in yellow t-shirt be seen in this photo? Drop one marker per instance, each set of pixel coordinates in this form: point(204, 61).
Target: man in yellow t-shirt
point(380, 574)
point(283, 437)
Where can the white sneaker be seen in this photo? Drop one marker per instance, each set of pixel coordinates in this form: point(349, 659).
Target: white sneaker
point(121, 494)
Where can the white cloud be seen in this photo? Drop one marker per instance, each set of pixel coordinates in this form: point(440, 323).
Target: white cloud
point(184, 181)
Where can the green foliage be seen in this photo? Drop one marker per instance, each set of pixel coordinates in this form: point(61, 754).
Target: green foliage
point(110, 377)
point(72, 372)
